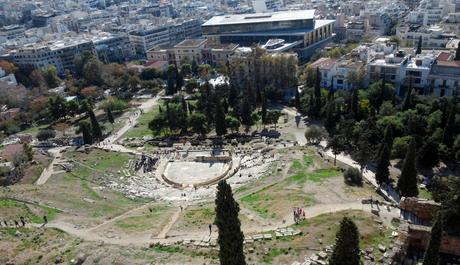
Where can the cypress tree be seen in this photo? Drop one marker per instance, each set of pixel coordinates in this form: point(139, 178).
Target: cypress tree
point(407, 182)
point(355, 103)
point(317, 92)
point(457, 53)
point(264, 109)
point(221, 127)
point(179, 79)
point(346, 249)
point(419, 46)
point(382, 174)
point(428, 156)
point(431, 256)
point(388, 136)
point(95, 128)
point(230, 237)
point(408, 99)
point(110, 117)
point(448, 133)
point(84, 127)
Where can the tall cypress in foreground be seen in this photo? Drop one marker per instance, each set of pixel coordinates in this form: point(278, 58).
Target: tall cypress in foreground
point(407, 182)
point(231, 237)
point(431, 256)
point(382, 173)
point(221, 126)
point(346, 249)
point(110, 117)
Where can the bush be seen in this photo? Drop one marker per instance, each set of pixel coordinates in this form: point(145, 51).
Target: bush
point(314, 134)
point(46, 134)
point(352, 176)
point(114, 104)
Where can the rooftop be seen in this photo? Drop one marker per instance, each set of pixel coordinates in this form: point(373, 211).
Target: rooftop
point(260, 17)
point(190, 43)
point(323, 63)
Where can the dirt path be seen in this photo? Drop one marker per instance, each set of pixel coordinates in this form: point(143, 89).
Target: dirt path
point(91, 234)
point(48, 171)
point(164, 231)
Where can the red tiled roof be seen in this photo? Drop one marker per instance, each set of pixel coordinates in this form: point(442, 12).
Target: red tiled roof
point(155, 64)
point(443, 56)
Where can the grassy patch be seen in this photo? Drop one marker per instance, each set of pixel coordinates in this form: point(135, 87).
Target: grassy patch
point(425, 194)
point(12, 210)
point(274, 252)
point(142, 127)
point(143, 222)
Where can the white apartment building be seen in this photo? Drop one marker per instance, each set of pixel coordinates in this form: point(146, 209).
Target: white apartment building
point(432, 37)
point(261, 6)
point(165, 35)
point(11, 32)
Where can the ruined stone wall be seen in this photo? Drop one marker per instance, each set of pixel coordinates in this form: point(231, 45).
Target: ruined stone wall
point(423, 209)
point(419, 236)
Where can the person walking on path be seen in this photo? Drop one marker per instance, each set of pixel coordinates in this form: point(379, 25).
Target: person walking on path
point(45, 220)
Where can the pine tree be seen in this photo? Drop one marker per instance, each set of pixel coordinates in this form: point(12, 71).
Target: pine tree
point(407, 182)
point(110, 117)
point(419, 46)
point(230, 237)
point(346, 249)
point(431, 256)
point(221, 126)
point(382, 173)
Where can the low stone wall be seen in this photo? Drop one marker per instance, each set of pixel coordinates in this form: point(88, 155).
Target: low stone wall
point(206, 159)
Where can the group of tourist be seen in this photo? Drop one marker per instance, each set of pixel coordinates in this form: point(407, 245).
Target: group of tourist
point(146, 163)
point(299, 214)
point(19, 223)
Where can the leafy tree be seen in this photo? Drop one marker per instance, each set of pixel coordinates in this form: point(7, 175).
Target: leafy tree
point(57, 107)
point(28, 151)
point(419, 46)
point(314, 134)
point(84, 127)
point(353, 176)
point(431, 256)
point(149, 74)
point(45, 134)
point(221, 126)
point(428, 156)
point(337, 144)
point(61, 126)
point(382, 173)
point(92, 72)
point(407, 182)
point(233, 123)
point(51, 78)
point(400, 146)
point(273, 116)
point(346, 249)
point(230, 237)
point(198, 122)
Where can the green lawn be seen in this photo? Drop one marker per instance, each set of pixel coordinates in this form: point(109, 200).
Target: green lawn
point(142, 127)
point(11, 209)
